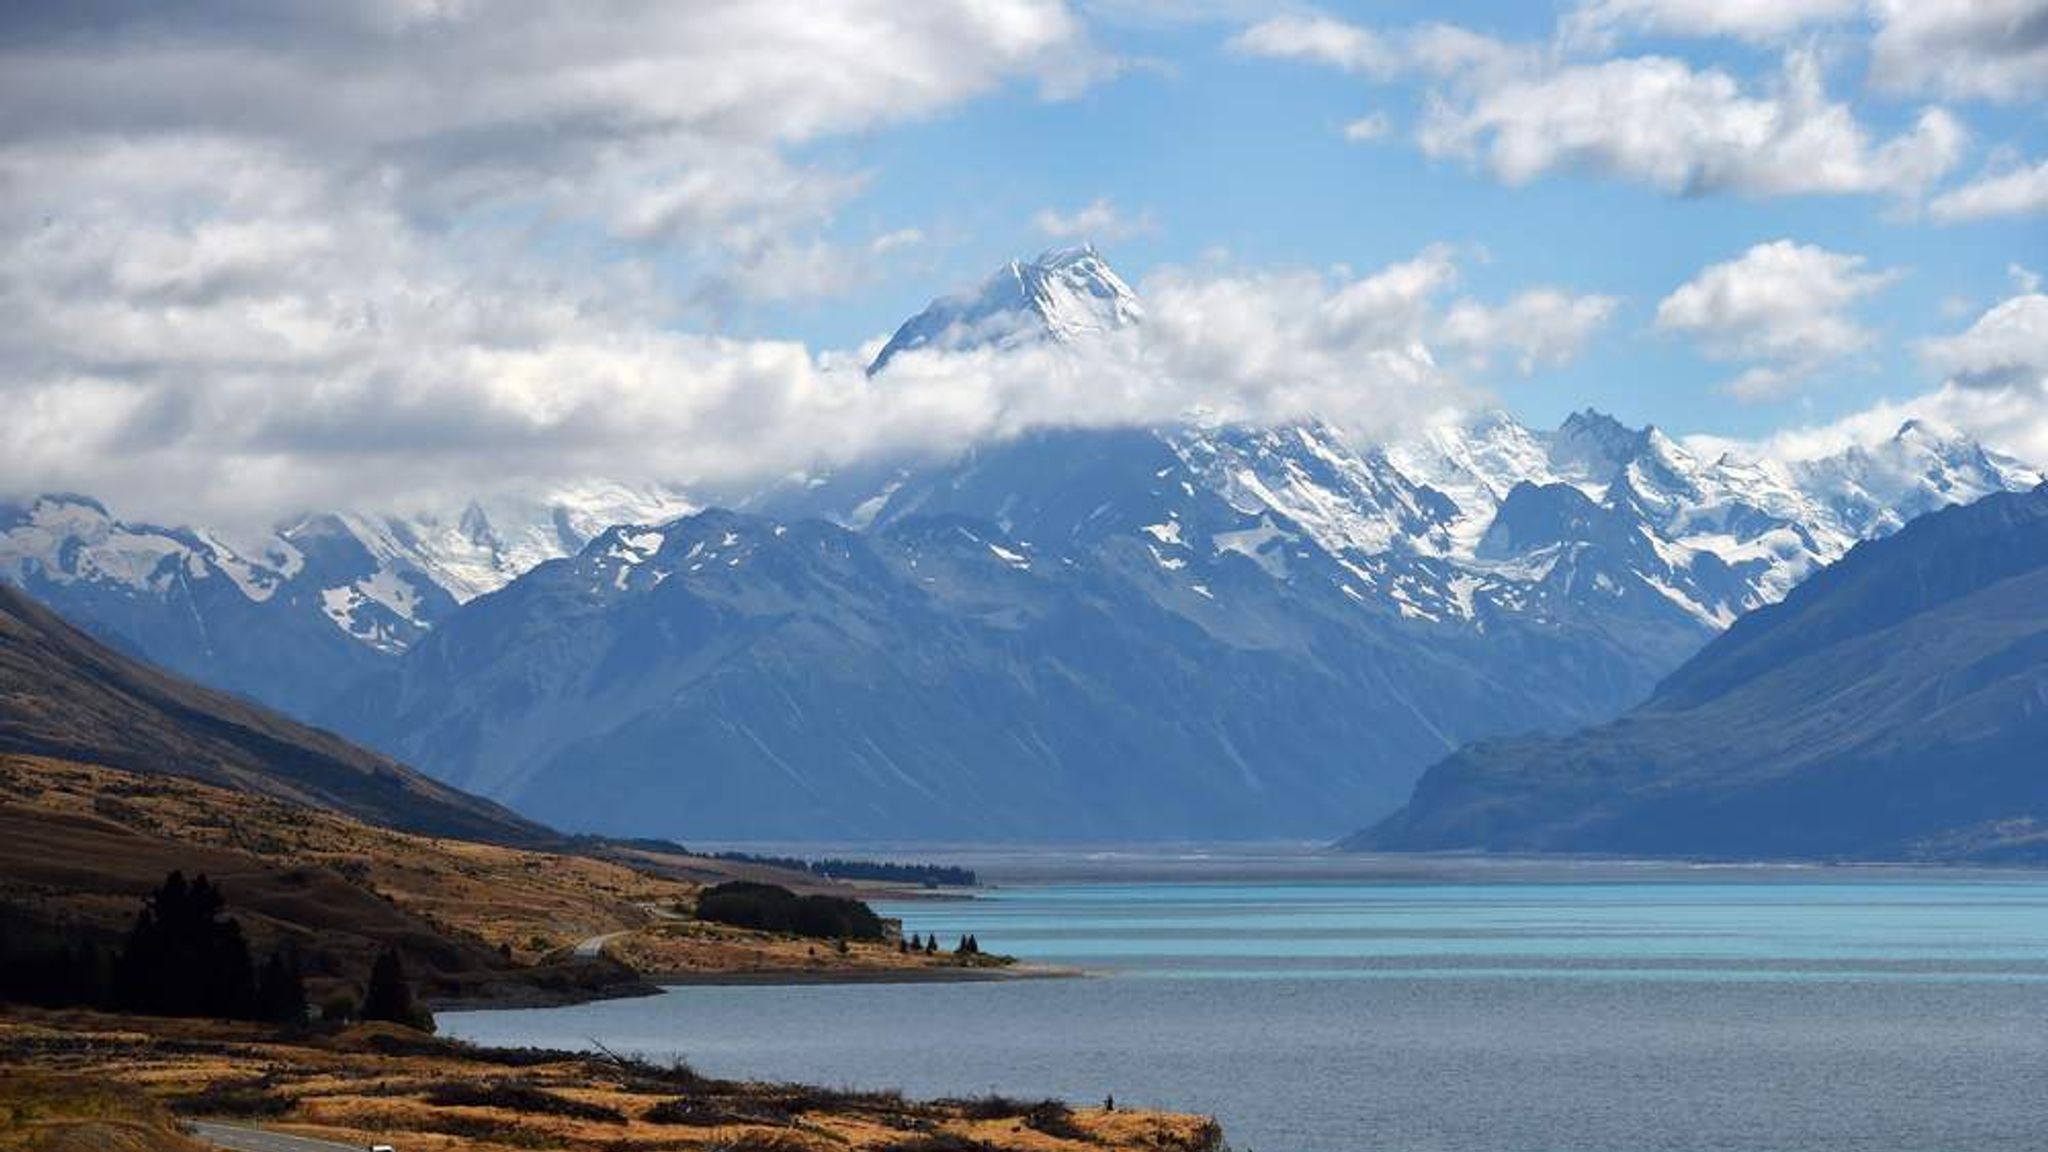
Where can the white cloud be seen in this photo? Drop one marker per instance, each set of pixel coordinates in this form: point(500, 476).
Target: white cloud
point(1324, 40)
point(1597, 23)
point(1525, 111)
point(662, 126)
point(902, 238)
point(1097, 220)
point(1264, 346)
point(257, 258)
point(2020, 192)
point(2007, 347)
point(1994, 386)
point(1542, 327)
point(1659, 121)
point(1987, 49)
point(233, 375)
point(1371, 126)
point(1787, 306)
point(1227, 344)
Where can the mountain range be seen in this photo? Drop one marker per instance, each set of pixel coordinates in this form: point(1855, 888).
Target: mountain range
point(1193, 629)
point(297, 614)
point(1894, 706)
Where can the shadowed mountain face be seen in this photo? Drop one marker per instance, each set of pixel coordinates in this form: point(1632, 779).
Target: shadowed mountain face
point(1182, 631)
point(1185, 630)
point(66, 696)
point(294, 616)
point(1893, 706)
point(1064, 638)
point(1452, 523)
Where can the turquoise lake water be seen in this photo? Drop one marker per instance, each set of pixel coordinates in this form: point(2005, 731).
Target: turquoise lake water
point(1768, 1010)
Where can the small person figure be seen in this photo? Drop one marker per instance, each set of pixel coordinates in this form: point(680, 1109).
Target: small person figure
point(1109, 1102)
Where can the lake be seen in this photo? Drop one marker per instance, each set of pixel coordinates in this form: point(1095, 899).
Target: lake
point(1315, 1005)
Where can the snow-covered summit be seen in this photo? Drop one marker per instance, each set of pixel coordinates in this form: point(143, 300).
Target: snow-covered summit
point(1063, 295)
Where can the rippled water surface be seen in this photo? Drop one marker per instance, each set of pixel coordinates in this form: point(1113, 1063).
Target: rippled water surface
point(1436, 1008)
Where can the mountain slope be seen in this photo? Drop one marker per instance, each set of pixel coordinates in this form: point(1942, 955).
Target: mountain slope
point(295, 616)
point(1592, 520)
point(1895, 705)
point(1272, 626)
point(1120, 653)
point(66, 696)
point(1065, 295)
point(1187, 630)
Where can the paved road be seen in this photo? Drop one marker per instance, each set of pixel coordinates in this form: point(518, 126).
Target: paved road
point(257, 1140)
point(592, 948)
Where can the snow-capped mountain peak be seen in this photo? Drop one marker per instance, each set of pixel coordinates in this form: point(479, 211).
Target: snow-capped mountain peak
point(1064, 295)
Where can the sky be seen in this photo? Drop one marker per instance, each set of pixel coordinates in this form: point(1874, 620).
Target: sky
point(260, 257)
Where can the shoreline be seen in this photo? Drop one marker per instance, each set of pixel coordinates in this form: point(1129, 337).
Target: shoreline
point(867, 976)
point(644, 984)
point(654, 983)
point(83, 1079)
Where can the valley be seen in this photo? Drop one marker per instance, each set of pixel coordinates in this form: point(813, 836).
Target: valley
point(1023, 576)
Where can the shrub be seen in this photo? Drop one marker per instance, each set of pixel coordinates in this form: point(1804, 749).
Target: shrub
point(390, 997)
point(514, 1096)
point(773, 908)
point(243, 1099)
point(338, 1008)
point(934, 1142)
point(701, 1112)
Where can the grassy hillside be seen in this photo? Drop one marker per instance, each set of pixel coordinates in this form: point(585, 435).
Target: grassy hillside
point(42, 1111)
point(66, 696)
point(82, 844)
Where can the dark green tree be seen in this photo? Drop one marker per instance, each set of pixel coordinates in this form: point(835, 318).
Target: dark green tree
point(389, 996)
point(52, 965)
point(183, 959)
point(281, 990)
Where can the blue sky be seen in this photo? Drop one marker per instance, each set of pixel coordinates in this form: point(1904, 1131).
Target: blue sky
point(1219, 150)
point(259, 260)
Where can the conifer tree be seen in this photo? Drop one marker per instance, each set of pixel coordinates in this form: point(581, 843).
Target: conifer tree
point(281, 991)
point(389, 996)
point(182, 959)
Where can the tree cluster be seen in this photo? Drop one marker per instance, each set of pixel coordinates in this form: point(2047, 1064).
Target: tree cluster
point(773, 908)
point(888, 871)
point(183, 957)
point(389, 996)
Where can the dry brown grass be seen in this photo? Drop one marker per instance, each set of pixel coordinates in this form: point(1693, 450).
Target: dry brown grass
point(384, 1083)
point(50, 1112)
point(534, 901)
point(690, 949)
point(477, 920)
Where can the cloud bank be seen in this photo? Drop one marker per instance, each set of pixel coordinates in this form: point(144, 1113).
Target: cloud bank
point(1785, 308)
point(1521, 111)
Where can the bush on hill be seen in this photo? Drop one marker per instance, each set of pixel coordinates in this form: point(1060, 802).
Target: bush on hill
point(773, 908)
